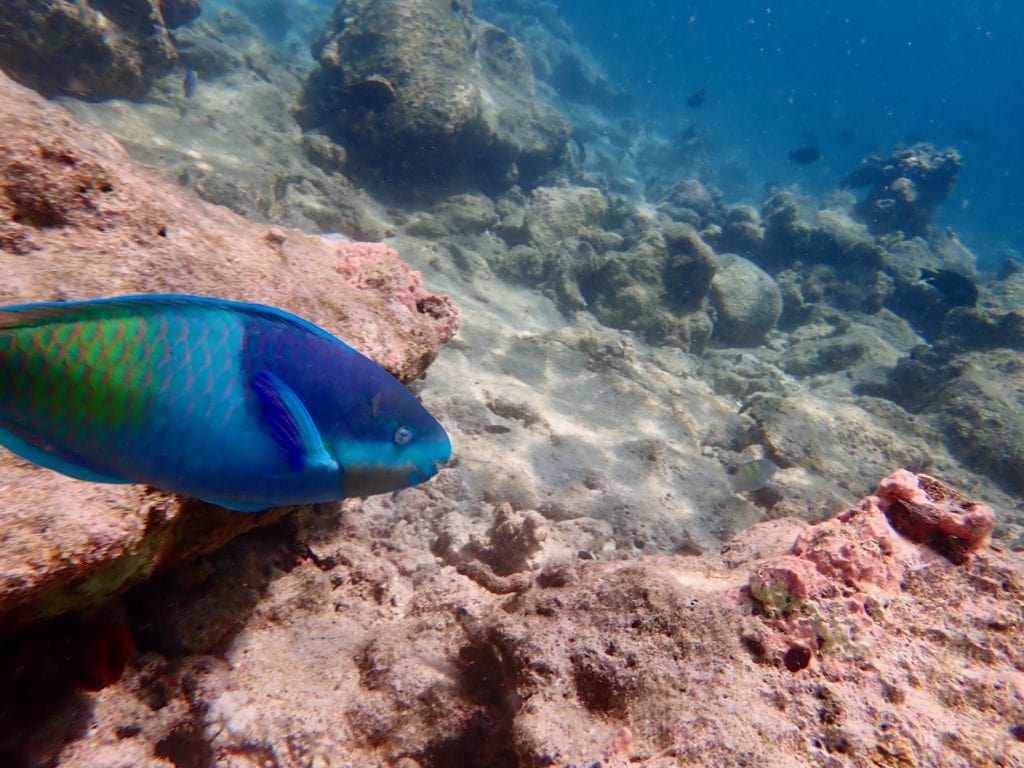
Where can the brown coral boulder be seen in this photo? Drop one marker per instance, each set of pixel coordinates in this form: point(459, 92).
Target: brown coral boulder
point(94, 50)
point(423, 94)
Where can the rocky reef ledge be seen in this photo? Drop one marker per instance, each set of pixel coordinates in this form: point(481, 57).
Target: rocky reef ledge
point(886, 636)
point(79, 219)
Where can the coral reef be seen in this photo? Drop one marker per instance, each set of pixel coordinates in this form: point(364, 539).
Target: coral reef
point(586, 583)
point(97, 51)
point(429, 97)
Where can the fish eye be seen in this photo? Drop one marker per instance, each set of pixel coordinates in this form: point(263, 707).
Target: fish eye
point(403, 435)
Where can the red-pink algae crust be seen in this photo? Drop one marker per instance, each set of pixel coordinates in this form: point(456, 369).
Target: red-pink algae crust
point(840, 574)
point(925, 509)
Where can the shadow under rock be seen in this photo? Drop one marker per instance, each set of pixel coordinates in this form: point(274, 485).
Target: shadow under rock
point(46, 667)
point(201, 606)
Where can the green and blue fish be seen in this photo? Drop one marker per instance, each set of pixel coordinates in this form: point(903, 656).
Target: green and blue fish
point(241, 405)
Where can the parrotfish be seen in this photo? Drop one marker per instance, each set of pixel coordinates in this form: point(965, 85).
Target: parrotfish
point(242, 405)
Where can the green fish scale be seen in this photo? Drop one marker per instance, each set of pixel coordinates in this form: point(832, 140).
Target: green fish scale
point(110, 381)
point(75, 379)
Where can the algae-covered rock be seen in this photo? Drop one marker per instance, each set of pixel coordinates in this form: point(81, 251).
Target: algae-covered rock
point(904, 187)
point(423, 94)
point(656, 288)
point(95, 51)
point(746, 300)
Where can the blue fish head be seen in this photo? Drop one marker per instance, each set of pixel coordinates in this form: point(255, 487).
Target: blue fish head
point(391, 441)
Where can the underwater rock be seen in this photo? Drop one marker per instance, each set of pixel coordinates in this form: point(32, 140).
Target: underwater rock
point(368, 653)
point(742, 232)
point(214, 51)
point(108, 51)
point(79, 219)
point(929, 278)
point(179, 12)
point(979, 413)
point(796, 230)
point(928, 511)
point(556, 213)
point(689, 202)
point(927, 301)
point(975, 328)
point(657, 287)
point(323, 152)
point(841, 441)
point(459, 108)
point(828, 257)
point(904, 187)
point(746, 300)
point(558, 60)
point(467, 213)
point(831, 592)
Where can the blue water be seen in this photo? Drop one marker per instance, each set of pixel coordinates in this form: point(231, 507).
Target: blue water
point(859, 76)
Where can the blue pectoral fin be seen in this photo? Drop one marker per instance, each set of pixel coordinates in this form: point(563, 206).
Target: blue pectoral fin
point(62, 464)
point(290, 424)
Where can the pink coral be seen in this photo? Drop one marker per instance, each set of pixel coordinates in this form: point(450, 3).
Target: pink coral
point(840, 573)
point(928, 511)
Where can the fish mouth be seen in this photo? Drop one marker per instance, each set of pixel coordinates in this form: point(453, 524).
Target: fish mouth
point(435, 467)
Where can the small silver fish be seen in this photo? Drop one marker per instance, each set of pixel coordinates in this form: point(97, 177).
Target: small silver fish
point(753, 475)
point(190, 83)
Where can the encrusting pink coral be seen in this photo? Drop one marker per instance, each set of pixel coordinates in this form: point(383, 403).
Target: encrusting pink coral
point(840, 573)
point(928, 511)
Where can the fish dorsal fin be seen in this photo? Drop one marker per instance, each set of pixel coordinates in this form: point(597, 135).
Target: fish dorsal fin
point(290, 424)
point(28, 315)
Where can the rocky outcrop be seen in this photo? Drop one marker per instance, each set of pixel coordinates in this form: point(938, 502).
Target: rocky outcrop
point(97, 50)
point(424, 96)
point(78, 219)
point(746, 300)
point(858, 637)
point(905, 187)
point(558, 59)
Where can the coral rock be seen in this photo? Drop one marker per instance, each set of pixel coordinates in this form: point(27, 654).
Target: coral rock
point(111, 50)
point(927, 510)
point(425, 95)
point(840, 573)
point(905, 187)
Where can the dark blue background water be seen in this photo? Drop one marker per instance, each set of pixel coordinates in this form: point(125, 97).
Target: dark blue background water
point(881, 71)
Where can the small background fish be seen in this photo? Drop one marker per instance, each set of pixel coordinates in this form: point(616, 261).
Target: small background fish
point(754, 475)
point(190, 83)
point(804, 155)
